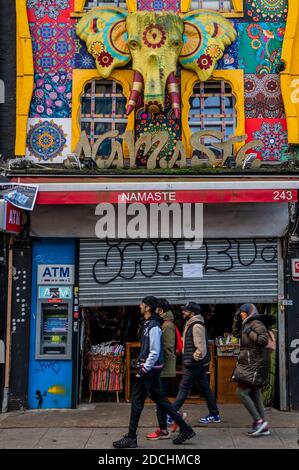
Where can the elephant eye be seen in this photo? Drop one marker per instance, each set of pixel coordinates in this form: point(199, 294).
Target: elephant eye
point(133, 44)
point(176, 43)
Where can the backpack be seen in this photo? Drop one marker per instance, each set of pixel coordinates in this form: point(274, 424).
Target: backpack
point(178, 339)
point(271, 346)
point(178, 342)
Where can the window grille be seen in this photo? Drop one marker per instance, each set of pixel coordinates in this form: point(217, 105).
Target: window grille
point(212, 107)
point(103, 107)
point(223, 6)
point(89, 4)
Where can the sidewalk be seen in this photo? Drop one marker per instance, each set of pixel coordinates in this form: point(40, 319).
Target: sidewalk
point(96, 426)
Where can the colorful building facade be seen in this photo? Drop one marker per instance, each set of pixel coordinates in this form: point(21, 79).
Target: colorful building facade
point(133, 99)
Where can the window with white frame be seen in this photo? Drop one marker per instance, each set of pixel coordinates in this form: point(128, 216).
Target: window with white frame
point(102, 110)
point(89, 4)
point(222, 6)
point(212, 107)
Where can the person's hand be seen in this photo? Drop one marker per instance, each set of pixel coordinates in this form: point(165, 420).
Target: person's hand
point(237, 316)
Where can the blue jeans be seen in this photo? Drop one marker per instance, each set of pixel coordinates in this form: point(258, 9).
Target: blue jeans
point(199, 376)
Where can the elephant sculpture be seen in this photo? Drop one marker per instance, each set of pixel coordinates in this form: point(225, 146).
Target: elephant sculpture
point(155, 41)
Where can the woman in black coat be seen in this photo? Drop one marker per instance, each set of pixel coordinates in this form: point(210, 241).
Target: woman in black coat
point(252, 368)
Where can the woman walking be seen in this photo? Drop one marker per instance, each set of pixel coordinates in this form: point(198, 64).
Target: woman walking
point(252, 368)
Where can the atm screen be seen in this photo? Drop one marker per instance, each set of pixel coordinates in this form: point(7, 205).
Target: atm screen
point(54, 328)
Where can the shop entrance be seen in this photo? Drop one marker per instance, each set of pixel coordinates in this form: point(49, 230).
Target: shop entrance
point(110, 346)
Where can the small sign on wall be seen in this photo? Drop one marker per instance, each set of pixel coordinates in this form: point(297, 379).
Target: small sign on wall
point(295, 269)
point(192, 270)
point(55, 274)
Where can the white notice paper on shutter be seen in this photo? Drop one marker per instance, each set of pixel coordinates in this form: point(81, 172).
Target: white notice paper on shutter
point(192, 270)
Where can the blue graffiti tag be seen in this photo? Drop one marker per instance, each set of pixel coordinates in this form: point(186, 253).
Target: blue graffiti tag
point(54, 366)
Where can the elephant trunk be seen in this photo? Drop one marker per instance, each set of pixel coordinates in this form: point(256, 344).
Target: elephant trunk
point(135, 92)
point(173, 92)
point(154, 85)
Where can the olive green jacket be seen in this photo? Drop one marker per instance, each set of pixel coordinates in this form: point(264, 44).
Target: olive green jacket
point(169, 338)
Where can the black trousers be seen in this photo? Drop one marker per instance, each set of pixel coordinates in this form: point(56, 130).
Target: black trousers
point(199, 376)
point(149, 385)
point(161, 415)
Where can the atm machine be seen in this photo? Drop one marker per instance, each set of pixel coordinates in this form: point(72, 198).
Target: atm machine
point(54, 322)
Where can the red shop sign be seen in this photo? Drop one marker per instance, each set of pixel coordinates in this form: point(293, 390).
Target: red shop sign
point(10, 217)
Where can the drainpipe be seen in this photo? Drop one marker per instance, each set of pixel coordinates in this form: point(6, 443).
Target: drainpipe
point(8, 326)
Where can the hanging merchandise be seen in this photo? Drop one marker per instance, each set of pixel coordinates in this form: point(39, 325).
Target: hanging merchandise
point(105, 366)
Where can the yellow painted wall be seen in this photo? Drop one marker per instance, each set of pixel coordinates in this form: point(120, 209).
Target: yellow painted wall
point(290, 76)
point(80, 80)
point(25, 76)
point(236, 80)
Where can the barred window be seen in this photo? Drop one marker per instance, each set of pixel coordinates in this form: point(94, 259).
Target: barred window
point(218, 5)
point(103, 107)
point(212, 107)
point(89, 4)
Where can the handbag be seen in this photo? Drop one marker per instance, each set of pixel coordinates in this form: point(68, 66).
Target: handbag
point(271, 346)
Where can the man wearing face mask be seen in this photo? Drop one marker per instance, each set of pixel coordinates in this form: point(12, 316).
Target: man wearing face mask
point(196, 358)
point(148, 382)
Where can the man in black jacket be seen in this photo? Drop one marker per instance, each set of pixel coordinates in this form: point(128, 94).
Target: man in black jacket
point(148, 378)
point(196, 358)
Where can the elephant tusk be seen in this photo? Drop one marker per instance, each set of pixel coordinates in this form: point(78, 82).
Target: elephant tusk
point(173, 92)
point(135, 92)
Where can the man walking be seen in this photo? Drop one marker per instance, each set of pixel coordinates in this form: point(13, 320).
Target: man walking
point(148, 382)
point(196, 358)
point(169, 367)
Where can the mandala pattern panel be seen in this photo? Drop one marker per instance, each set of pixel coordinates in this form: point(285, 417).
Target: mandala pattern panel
point(267, 10)
point(260, 47)
point(52, 96)
point(273, 132)
point(53, 47)
point(263, 97)
point(49, 10)
point(48, 140)
point(159, 5)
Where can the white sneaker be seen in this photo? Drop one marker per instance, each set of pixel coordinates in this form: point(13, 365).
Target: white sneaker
point(260, 427)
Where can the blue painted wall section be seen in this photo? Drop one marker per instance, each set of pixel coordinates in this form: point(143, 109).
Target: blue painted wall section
point(50, 381)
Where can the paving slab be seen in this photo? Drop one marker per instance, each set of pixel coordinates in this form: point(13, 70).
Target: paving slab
point(20, 438)
point(115, 415)
point(64, 438)
point(243, 441)
point(289, 437)
point(103, 438)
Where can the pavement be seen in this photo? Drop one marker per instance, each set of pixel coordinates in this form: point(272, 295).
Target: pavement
point(96, 426)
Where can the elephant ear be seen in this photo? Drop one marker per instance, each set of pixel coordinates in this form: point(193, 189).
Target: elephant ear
point(105, 33)
point(206, 34)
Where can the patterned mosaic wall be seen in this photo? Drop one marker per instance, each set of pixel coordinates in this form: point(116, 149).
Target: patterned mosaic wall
point(57, 51)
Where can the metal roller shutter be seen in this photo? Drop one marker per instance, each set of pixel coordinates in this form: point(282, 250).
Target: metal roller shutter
point(121, 273)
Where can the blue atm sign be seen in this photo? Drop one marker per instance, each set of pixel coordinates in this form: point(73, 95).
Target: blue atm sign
point(55, 274)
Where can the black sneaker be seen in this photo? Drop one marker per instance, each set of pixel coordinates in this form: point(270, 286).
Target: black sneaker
point(184, 435)
point(125, 442)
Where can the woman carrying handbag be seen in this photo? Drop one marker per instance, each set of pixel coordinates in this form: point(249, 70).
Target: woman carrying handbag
point(251, 372)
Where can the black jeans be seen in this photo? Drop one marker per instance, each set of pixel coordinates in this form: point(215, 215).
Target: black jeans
point(149, 385)
point(161, 415)
point(199, 376)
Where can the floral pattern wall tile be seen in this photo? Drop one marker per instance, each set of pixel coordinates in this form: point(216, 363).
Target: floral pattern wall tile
point(52, 95)
point(48, 140)
point(263, 97)
point(260, 47)
point(266, 10)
